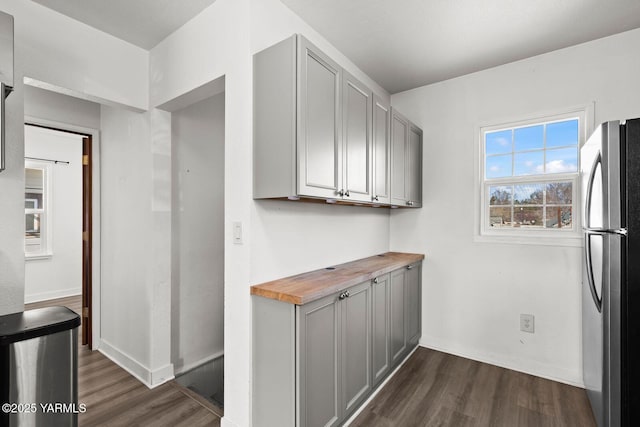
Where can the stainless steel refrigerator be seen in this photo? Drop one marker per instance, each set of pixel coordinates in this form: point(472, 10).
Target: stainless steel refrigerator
point(610, 170)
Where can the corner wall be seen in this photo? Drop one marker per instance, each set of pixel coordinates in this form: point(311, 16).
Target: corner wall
point(474, 292)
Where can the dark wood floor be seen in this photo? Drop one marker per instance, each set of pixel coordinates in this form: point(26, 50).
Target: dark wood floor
point(113, 397)
point(439, 389)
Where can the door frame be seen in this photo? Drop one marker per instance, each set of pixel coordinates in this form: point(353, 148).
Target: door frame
point(96, 209)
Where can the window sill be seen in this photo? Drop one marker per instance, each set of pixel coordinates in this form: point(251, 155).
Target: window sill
point(571, 240)
point(34, 257)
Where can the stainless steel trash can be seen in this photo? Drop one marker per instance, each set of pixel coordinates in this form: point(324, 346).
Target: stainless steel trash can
point(39, 368)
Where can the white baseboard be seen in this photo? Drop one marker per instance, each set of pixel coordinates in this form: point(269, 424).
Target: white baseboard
point(143, 374)
point(537, 369)
point(224, 422)
point(44, 296)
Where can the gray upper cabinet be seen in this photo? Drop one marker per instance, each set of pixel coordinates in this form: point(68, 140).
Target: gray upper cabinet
point(319, 388)
point(319, 123)
point(406, 162)
point(380, 334)
point(356, 116)
point(381, 136)
point(413, 167)
point(312, 126)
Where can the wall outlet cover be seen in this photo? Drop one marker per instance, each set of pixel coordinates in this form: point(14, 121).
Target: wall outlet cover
point(527, 323)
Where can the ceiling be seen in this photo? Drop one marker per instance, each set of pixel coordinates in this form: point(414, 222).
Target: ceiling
point(401, 44)
point(144, 23)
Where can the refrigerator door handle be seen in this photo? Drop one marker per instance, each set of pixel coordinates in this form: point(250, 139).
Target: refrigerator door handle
point(587, 202)
point(592, 286)
point(603, 231)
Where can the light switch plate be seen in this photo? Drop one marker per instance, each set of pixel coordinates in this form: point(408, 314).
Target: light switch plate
point(237, 233)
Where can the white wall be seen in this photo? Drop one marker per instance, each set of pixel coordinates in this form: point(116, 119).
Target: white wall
point(474, 292)
point(197, 297)
point(52, 106)
point(63, 52)
point(215, 43)
point(136, 241)
point(61, 274)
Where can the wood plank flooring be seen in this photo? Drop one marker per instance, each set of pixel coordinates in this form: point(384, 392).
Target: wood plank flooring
point(431, 389)
point(439, 389)
point(115, 398)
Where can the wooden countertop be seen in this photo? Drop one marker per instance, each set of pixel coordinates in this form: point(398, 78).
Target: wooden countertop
point(306, 287)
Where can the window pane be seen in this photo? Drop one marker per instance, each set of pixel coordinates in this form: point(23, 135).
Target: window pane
point(500, 217)
point(34, 179)
point(498, 166)
point(528, 194)
point(562, 133)
point(498, 142)
point(500, 195)
point(529, 163)
point(33, 200)
point(529, 217)
point(562, 160)
point(32, 226)
point(559, 193)
point(529, 138)
point(559, 217)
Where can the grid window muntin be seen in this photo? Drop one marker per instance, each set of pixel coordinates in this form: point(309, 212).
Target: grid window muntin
point(568, 176)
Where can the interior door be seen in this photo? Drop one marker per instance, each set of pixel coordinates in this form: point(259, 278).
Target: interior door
point(86, 241)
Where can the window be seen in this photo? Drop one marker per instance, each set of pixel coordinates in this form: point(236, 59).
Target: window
point(529, 177)
point(37, 214)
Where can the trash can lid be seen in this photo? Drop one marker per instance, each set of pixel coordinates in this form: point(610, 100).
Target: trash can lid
point(36, 323)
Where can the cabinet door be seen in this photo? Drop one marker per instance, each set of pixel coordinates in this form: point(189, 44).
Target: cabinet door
point(356, 138)
point(318, 369)
point(414, 166)
point(412, 303)
point(380, 327)
point(397, 317)
point(381, 150)
point(319, 146)
point(356, 346)
point(399, 137)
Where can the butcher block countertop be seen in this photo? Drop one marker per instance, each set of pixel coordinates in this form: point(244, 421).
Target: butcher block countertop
point(306, 287)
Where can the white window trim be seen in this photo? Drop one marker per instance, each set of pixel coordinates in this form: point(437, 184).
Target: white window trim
point(573, 237)
point(47, 244)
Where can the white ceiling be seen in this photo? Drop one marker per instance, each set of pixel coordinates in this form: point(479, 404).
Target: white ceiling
point(144, 23)
point(401, 44)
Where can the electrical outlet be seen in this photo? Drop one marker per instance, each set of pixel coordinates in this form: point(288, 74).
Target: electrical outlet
point(527, 323)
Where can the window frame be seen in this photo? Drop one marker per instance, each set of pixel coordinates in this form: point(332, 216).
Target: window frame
point(545, 236)
point(46, 237)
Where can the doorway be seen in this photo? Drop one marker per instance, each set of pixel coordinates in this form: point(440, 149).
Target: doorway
point(59, 219)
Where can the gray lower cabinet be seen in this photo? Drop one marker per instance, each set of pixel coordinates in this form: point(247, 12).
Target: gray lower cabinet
point(397, 317)
point(381, 360)
point(334, 356)
point(413, 290)
point(314, 364)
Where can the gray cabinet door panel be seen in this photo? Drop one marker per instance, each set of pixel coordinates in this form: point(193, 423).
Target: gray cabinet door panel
point(356, 346)
point(412, 306)
point(319, 394)
point(414, 163)
point(397, 316)
point(356, 128)
point(399, 137)
point(381, 150)
point(380, 357)
point(319, 139)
